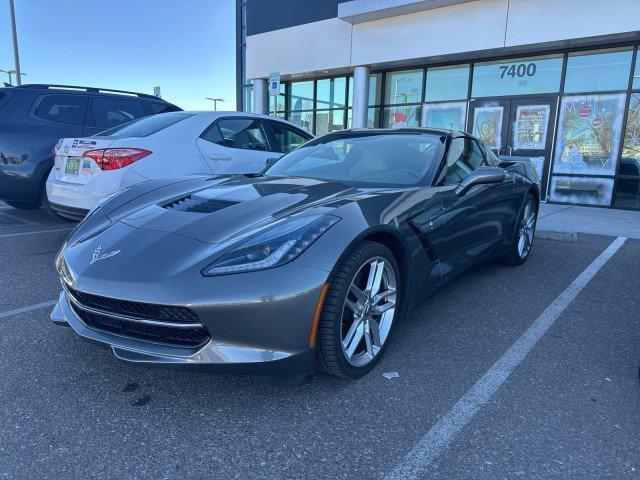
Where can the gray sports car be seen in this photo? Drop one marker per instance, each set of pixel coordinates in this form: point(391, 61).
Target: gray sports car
point(311, 263)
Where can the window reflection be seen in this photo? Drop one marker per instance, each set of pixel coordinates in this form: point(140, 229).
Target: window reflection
point(589, 191)
point(329, 121)
point(302, 95)
point(598, 71)
point(401, 116)
point(403, 87)
point(330, 93)
point(447, 83)
point(375, 87)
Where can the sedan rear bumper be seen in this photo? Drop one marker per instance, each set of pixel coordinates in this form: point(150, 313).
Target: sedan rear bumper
point(214, 356)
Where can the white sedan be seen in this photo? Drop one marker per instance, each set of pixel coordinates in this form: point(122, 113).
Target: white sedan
point(165, 145)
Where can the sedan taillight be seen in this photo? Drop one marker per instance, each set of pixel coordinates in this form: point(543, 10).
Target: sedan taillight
point(114, 158)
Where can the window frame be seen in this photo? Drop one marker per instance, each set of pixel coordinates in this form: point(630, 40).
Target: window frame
point(481, 147)
point(260, 121)
point(40, 98)
point(90, 120)
point(273, 139)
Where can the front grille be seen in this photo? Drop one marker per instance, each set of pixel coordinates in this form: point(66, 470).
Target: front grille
point(103, 317)
point(147, 311)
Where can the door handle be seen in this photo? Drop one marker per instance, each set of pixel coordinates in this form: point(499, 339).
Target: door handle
point(219, 157)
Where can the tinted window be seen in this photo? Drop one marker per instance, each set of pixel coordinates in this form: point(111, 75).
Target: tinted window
point(287, 137)
point(243, 133)
point(465, 155)
point(447, 83)
point(110, 112)
point(378, 159)
point(65, 109)
point(598, 71)
point(161, 107)
point(146, 126)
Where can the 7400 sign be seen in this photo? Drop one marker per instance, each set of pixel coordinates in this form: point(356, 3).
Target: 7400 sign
point(519, 70)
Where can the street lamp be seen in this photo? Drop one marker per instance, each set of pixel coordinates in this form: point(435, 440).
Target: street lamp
point(215, 102)
point(11, 72)
point(14, 32)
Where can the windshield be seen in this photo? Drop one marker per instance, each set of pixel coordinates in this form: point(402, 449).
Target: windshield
point(390, 159)
point(146, 126)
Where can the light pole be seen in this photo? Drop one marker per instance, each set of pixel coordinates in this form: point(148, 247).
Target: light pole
point(10, 72)
point(16, 55)
point(215, 102)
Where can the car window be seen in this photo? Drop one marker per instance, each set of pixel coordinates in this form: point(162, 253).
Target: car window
point(465, 155)
point(242, 133)
point(161, 107)
point(146, 126)
point(110, 112)
point(65, 109)
point(288, 138)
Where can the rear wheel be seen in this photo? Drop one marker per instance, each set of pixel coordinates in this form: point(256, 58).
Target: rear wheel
point(523, 239)
point(359, 311)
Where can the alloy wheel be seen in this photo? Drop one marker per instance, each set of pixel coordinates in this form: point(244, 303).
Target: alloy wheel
point(369, 311)
point(527, 229)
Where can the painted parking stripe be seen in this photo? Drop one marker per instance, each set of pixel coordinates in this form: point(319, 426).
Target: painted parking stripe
point(30, 308)
point(35, 232)
point(23, 221)
point(440, 435)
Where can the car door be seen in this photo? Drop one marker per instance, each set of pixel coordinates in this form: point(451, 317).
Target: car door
point(474, 222)
point(236, 145)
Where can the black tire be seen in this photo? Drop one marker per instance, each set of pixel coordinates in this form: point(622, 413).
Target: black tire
point(514, 257)
point(330, 356)
point(22, 205)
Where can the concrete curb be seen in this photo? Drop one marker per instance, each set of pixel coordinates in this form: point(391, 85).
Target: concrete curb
point(557, 235)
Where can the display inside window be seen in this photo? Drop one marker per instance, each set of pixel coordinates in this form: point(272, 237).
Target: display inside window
point(487, 125)
point(598, 71)
point(403, 87)
point(588, 191)
point(450, 116)
point(530, 127)
point(447, 83)
point(402, 116)
point(589, 131)
point(630, 162)
point(330, 93)
point(530, 75)
point(302, 95)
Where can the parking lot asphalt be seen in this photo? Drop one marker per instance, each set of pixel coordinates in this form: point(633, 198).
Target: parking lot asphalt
point(569, 409)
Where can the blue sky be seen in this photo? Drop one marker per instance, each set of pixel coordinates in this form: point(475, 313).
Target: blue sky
point(185, 46)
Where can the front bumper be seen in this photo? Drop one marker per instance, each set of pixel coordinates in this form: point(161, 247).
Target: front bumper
point(233, 350)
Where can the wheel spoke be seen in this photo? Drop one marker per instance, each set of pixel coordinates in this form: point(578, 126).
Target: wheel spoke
point(356, 308)
point(521, 242)
point(374, 327)
point(369, 342)
point(374, 281)
point(360, 295)
point(383, 296)
point(353, 338)
point(380, 309)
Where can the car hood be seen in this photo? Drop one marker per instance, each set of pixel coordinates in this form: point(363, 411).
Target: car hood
point(223, 211)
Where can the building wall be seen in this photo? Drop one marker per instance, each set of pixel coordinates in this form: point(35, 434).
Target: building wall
point(499, 27)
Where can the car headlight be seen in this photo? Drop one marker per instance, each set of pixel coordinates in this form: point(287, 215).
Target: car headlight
point(272, 247)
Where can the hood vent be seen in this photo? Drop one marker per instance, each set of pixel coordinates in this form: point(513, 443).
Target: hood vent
point(198, 205)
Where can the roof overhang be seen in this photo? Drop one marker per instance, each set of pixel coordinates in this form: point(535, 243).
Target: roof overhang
point(360, 11)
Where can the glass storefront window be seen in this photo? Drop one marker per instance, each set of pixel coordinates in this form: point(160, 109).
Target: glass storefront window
point(589, 131)
point(375, 85)
point(329, 121)
point(630, 163)
point(403, 87)
point(303, 120)
point(447, 83)
point(449, 115)
point(247, 98)
point(302, 95)
point(330, 93)
point(598, 71)
point(528, 75)
point(636, 73)
point(589, 191)
point(373, 117)
point(401, 116)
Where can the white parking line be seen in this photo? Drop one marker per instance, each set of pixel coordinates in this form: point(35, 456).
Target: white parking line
point(18, 219)
point(35, 232)
point(30, 308)
point(440, 435)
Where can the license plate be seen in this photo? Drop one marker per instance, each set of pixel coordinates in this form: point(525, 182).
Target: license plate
point(73, 166)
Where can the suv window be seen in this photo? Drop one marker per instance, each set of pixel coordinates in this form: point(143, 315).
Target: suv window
point(465, 155)
point(288, 138)
point(242, 133)
point(146, 126)
point(65, 109)
point(161, 107)
point(110, 112)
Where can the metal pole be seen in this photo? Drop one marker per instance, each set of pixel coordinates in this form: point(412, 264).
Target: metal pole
point(16, 55)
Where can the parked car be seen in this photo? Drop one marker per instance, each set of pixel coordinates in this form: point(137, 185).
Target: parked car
point(311, 263)
point(34, 117)
point(167, 145)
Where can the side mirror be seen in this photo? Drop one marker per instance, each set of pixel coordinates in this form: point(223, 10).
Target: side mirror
point(270, 162)
point(481, 176)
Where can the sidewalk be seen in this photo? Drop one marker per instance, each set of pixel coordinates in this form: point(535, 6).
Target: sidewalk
point(569, 219)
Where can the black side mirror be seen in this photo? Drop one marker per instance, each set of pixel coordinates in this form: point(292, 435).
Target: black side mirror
point(270, 162)
point(481, 176)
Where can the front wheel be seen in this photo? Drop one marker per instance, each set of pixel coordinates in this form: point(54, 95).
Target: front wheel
point(359, 312)
point(523, 238)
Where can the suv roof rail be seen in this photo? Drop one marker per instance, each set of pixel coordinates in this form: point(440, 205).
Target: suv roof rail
point(89, 89)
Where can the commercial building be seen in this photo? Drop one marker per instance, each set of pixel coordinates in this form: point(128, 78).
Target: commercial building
point(554, 80)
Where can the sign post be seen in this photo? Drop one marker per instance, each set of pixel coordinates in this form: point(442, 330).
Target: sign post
point(274, 89)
